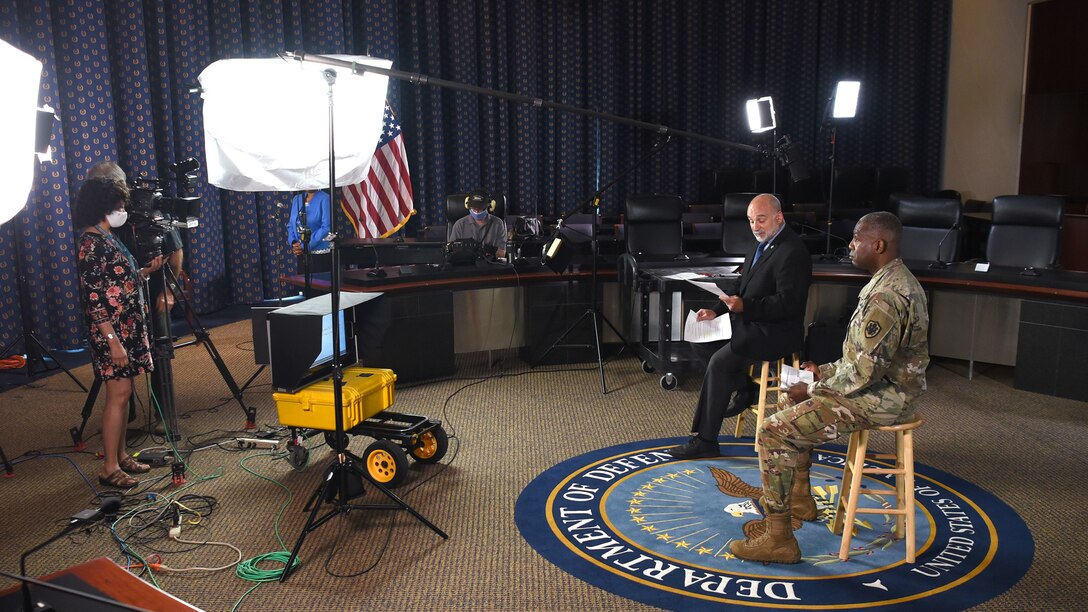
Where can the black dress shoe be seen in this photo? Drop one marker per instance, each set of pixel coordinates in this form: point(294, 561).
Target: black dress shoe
point(695, 448)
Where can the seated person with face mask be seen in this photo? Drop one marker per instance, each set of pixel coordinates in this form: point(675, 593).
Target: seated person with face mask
point(480, 225)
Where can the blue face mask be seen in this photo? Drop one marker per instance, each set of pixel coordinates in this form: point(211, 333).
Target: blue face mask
point(478, 215)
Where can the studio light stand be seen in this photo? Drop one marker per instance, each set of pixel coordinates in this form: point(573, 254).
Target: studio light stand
point(828, 255)
point(594, 313)
point(843, 104)
point(34, 349)
point(343, 479)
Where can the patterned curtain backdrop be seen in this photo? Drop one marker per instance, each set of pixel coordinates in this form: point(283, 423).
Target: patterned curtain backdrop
point(119, 74)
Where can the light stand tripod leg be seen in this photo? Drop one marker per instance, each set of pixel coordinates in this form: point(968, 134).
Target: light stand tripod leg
point(312, 523)
point(34, 348)
point(9, 471)
point(250, 380)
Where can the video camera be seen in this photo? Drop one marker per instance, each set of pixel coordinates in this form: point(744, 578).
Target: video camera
point(156, 218)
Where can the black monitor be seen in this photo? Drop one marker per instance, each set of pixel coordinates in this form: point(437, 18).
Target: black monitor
point(258, 318)
point(300, 346)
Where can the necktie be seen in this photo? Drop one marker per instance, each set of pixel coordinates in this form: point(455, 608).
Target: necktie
point(759, 252)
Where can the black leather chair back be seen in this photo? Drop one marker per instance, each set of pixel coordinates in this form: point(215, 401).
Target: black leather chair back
point(737, 236)
point(653, 225)
point(1025, 231)
point(926, 223)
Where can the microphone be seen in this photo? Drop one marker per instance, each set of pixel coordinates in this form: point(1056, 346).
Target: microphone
point(376, 271)
point(109, 507)
point(940, 265)
point(833, 255)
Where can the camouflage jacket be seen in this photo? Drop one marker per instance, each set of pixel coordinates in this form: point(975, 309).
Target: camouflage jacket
point(886, 350)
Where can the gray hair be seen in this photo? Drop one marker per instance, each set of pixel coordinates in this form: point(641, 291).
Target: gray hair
point(107, 169)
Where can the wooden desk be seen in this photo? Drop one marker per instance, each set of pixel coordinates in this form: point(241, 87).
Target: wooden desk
point(975, 316)
point(101, 577)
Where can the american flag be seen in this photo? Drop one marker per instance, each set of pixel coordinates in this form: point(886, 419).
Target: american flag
point(382, 203)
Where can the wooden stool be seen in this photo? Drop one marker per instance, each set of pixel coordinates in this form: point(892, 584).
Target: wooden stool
point(769, 385)
point(852, 472)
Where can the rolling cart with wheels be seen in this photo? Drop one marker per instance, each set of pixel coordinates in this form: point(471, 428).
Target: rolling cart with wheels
point(663, 304)
point(367, 393)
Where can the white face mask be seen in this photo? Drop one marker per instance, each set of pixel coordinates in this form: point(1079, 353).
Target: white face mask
point(117, 218)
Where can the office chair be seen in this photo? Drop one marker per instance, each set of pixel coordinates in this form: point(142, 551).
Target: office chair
point(653, 225)
point(1025, 231)
point(931, 228)
point(737, 235)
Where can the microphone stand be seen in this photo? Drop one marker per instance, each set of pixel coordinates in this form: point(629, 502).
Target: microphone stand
point(941, 265)
point(593, 313)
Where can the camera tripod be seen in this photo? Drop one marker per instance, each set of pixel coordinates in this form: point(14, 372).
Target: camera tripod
point(162, 377)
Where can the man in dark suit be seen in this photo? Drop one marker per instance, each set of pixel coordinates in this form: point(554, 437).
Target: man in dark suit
point(767, 317)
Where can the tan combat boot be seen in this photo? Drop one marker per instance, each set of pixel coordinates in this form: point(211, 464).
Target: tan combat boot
point(776, 545)
point(802, 505)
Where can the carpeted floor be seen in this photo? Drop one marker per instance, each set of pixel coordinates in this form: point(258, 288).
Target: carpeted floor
point(507, 425)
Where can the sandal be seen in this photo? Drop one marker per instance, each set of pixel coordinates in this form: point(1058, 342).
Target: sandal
point(130, 465)
point(119, 479)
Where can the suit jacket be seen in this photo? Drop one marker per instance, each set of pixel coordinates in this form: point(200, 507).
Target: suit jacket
point(775, 293)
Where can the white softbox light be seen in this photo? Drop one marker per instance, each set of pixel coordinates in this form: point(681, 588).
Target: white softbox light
point(21, 75)
point(266, 123)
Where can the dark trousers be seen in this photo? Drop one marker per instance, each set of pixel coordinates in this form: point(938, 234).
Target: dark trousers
point(726, 372)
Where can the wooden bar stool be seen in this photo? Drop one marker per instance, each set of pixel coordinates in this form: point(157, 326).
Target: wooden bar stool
point(847, 508)
point(770, 388)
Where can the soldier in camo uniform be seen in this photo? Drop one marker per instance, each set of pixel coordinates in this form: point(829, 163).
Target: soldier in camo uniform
point(883, 368)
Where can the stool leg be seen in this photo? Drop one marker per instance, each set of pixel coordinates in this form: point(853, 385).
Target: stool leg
point(738, 429)
point(844, 487)
point(908, 492)
point(857, 465)
point(900, 519)
point(762, 405)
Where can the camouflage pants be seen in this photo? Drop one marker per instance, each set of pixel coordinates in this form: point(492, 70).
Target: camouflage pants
point(792, 431)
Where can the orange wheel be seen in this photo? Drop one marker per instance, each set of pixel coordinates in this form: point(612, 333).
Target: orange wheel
point(431, 446)
point(385, 463)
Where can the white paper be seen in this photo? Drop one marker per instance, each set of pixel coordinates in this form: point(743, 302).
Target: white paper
point(711, 330)
point(707, 286)
point(791, 376)
point(982, 267)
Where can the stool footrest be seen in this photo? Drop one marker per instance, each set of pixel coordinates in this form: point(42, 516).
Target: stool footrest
point(884, 471)
point(880, 511)
point(891, 492)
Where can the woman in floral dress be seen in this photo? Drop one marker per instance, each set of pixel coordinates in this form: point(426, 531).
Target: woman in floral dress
point(110, 281)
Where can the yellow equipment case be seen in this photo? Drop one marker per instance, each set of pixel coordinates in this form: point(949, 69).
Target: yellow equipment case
point(366, 392)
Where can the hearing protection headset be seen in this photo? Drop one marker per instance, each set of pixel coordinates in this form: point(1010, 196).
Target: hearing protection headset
point(478, 196)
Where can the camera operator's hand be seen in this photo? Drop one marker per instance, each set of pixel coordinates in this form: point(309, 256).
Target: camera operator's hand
point(155, 264)
point(296, 248)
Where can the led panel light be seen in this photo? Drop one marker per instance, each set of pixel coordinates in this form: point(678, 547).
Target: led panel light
point(846, 99)
point(761, 115)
